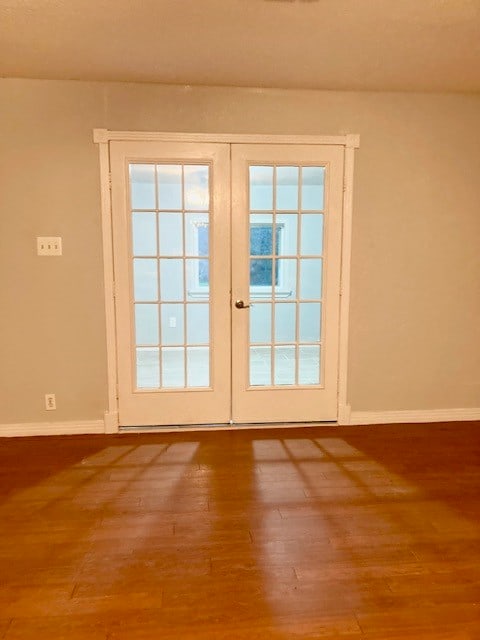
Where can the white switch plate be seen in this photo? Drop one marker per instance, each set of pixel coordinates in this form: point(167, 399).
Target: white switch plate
point(49, 246)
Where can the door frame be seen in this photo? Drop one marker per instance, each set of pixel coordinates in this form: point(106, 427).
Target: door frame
point(103, 137)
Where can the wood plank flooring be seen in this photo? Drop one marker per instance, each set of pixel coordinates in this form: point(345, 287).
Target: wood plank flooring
point(368, 533)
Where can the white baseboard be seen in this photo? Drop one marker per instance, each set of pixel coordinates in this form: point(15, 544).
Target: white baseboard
point(51, 428)
point(110, 422)
point(409, 416)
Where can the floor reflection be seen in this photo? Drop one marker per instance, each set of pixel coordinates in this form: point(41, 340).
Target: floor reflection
point(278, 534)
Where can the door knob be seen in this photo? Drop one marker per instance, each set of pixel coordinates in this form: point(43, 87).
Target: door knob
point(241, 305)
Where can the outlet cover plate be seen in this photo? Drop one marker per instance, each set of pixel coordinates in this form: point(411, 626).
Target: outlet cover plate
point(49, 246)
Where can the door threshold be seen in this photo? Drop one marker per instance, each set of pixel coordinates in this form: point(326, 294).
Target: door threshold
point(225, 426)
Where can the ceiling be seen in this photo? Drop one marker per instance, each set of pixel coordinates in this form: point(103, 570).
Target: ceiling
point(381, 45)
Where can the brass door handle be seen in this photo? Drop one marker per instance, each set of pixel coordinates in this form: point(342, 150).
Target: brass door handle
point(241, 305)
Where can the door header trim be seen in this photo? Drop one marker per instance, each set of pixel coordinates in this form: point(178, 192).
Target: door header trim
point(349, 140)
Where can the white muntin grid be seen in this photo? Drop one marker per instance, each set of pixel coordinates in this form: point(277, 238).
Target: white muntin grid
point(161, 362)
point(283, 354)
point(286, 357)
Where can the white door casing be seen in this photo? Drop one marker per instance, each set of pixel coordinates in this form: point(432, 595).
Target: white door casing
point(335, 150)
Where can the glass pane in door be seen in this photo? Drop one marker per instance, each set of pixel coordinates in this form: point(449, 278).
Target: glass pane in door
point(286, 269)
point(170, 214)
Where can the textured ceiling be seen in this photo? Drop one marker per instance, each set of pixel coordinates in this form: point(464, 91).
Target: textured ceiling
point(429, 45)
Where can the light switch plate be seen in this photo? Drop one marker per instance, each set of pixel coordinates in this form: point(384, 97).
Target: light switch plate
point(49, 246)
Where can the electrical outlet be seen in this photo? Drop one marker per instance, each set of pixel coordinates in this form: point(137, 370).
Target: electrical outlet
point(50, 402)
point(172, 322)
point(49, 246)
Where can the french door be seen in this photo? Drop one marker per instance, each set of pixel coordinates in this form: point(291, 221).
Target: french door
point(227, 281)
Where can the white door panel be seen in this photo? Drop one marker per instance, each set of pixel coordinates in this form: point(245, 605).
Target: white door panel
point(171, 210)
point(286, 225)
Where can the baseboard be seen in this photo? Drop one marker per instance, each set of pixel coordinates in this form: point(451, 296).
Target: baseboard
point(110, 422)
point(51, 428)
point(412, 416)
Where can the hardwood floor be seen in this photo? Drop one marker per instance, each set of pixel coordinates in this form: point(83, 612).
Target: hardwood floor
point(356, 533)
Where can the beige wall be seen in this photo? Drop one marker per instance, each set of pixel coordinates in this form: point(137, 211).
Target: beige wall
point(415, 308)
